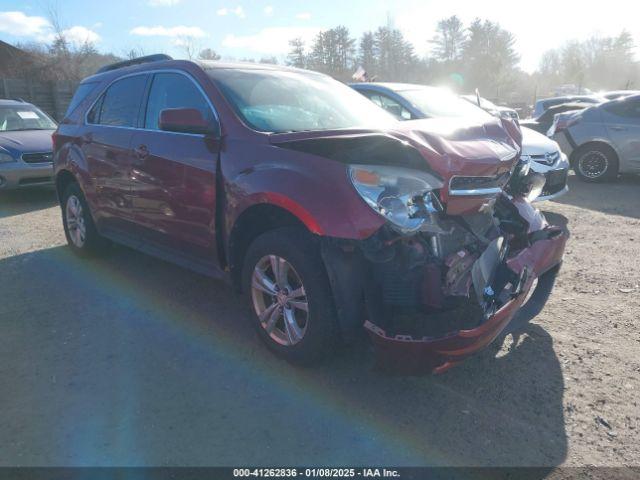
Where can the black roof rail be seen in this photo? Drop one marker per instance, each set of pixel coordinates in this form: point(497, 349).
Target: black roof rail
point(159, 57)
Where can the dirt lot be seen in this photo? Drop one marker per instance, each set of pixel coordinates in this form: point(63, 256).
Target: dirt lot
point(131, 361)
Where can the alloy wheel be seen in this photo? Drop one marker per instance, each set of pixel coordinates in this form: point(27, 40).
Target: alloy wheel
point(75, 221)
point(279, 300)
point(593, 164)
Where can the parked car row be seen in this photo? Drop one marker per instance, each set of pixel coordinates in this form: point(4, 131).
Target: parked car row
point(327, 212)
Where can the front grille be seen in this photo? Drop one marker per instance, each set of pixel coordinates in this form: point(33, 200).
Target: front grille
point(549, 158)
point(460, 185)
point(41, 157)
point(555, 182)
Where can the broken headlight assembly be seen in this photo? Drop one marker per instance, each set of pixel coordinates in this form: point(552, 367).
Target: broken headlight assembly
point(403, 196)
point(525, 182)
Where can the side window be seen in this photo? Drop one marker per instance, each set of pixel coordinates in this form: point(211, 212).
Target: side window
point(83, 90)
point(395, 108)
point(120, 104)
point(173, 90)
point(627, 109)
point(376, 99)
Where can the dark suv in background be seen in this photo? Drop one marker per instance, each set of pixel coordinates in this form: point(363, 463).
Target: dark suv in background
point(328, 213)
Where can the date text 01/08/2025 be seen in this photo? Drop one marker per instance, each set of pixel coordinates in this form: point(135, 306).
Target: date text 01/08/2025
point(316, 472)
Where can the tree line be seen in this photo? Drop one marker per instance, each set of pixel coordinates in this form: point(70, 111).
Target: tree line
point(481, 55)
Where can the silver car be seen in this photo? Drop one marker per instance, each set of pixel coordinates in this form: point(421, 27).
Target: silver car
point(601, 141)
point(25, 145)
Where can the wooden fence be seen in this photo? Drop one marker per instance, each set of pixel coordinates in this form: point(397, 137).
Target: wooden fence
point(52, 97)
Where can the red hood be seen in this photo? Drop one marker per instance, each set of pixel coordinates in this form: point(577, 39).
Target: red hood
point(448, 146)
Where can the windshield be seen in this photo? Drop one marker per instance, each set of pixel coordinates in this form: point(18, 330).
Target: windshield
point(24, 117)
point(281, 101)
point(438, 103)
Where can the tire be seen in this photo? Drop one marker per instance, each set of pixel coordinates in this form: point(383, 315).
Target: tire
point(316, 335)
point(595, 163)
point(79, 228)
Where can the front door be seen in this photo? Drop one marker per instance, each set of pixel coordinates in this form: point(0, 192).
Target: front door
point(173, 187)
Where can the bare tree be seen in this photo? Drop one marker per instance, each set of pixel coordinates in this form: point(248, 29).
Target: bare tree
point(297, 56)
point(189, 45)
point(208, 54)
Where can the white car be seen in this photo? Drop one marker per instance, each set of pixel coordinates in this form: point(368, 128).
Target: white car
point(546, 158)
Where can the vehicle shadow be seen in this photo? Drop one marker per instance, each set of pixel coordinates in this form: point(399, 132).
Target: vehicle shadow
point(18, 202)
point(623, 195)
point(132, 361)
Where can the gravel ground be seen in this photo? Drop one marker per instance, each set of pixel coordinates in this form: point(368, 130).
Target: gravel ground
point(128, 360)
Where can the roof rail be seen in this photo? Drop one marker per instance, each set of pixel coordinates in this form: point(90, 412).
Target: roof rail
point(159, 57)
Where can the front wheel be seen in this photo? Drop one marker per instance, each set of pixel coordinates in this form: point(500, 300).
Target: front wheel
point(595, 163)
point(82, 235)
point(290, 294)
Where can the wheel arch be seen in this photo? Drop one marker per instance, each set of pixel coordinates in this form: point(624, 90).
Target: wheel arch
point(593, 143)
point(252, 222)
point(63, 179)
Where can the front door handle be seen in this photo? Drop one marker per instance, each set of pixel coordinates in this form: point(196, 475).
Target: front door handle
point(141, 151)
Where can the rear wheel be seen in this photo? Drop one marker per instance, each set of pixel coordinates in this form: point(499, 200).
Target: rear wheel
point(82, 235)
point(290, 294)
point(595, 163)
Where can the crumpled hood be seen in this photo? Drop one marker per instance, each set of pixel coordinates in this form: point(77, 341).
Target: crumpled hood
point(26, 141)
point(446, 147)
point(458, 147)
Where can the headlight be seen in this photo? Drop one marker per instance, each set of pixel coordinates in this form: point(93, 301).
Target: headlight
point(401, 195)
point(6, 158)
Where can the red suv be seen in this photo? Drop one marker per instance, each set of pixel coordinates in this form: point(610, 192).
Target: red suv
point(324, 210)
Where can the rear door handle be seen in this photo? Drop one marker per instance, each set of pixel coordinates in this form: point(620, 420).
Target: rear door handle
point(140, 153)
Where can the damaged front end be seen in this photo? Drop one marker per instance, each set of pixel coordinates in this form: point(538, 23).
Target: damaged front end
point(436, 287)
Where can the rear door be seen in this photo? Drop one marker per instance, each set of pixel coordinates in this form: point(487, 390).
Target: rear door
point(622, 120)
point(174, 174)
point(106, 144)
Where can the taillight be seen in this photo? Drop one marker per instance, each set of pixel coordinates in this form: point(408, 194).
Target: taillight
point(562, 123)
point(54, 138)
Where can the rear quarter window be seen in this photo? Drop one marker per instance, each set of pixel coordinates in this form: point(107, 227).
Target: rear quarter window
point(81, 93)
point(119, 105)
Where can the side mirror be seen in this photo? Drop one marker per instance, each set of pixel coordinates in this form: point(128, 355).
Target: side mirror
point(395, 110)
point(185, 120)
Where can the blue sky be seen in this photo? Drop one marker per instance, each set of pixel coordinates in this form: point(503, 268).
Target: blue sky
point(258, 28)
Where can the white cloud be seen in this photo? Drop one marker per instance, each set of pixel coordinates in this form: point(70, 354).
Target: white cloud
point(163, 3)
point(238, 11)
point(80, 35)
point(303, 16)
point(272, 41)
point(161, 31)
point(268, 10)
point(21, 25)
